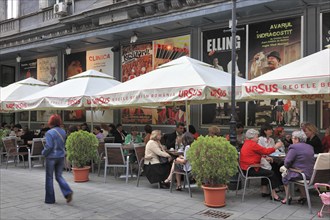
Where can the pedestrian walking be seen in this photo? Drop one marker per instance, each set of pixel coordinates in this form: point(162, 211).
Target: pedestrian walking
point(54, 152)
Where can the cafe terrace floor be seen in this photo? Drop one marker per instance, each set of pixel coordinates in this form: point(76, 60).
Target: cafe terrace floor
point(22, 197)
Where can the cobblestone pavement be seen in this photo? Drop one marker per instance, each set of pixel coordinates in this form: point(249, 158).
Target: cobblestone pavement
point(22, 197)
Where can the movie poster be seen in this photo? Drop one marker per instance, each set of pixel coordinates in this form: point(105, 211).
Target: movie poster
point(273, 44)
point(325, 30)
point(166, 50)
point(217, 46)
point(47, 69)
point(74, 64)
point(325, 42)
point(169, 49)
point(101, 60)
point(136, 61)
point(28, 69)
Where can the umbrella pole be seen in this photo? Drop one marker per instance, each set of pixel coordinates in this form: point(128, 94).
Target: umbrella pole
point(29, 122)
point(187, 114)
point(92, 119)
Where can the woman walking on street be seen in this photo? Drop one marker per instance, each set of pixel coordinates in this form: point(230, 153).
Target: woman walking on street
point(54, 152)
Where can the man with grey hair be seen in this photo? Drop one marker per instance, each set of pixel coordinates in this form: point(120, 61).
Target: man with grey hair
point(251, 153)
point(300, 156)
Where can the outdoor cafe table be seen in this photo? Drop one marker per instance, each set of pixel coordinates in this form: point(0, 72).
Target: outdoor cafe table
point(278, 157)
point(174, 153)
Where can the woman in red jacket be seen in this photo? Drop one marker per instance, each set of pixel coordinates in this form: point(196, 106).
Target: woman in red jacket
point(251, 153)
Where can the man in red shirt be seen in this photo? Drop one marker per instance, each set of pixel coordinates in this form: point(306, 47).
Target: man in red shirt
point(251, 153)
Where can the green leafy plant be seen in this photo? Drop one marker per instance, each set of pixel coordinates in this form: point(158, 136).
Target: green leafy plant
point(81, 148)
point(3, 133)
point(213, 160)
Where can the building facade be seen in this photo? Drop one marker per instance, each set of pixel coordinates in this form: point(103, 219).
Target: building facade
point(55, 39)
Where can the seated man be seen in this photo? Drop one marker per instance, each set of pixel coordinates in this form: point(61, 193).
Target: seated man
point(171, 139)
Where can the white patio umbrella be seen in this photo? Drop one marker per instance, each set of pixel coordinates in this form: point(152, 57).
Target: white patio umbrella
point(10, 94)
point(72, 94)
point(181, 81)
point(304, 79)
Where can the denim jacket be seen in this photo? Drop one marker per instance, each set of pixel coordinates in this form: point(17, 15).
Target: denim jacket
point(55, 146)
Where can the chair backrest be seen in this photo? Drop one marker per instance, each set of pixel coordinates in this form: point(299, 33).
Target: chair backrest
point(101, 148)
point(14, 140)
point(139, 151)
point(114, 154)
point(37, 146)
point(109, 139)
point(321, 173)
point(241, 171)
point(9, 144)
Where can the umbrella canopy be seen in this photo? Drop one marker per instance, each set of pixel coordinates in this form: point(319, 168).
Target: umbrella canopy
point(304, 79)
point(176, 82)
point(10, 94)
point(74, 93)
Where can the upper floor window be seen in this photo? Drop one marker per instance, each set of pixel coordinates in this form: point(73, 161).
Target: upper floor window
point(46, 3)
point(12, 8)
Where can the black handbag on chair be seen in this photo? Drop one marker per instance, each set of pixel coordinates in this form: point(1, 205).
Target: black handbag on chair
point(163, 160)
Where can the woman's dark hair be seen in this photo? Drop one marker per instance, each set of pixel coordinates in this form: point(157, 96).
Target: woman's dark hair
point(192, 129)
point(19, 126)
point(265, 128)
point(54, 120)
point(97, 128)
point(239, 125)
point(134, 128)
point(72, 128)
point(187, 139)
point(112, 126)
point(148, 129)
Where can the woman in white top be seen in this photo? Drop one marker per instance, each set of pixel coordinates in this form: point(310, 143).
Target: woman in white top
point(267, 141)
point(155, 170)
point(181, 163)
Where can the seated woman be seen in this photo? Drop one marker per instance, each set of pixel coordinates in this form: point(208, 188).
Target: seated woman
point(267, 141)
point(280, 135)
point(251, 153)
point(312, 138)
point(155, 171)
point(326, 141)
point(193, 131)
point(178, 163)
point(148, 130)
point(300, 156)
point(98, 133)
point(133, 137)
point(214, 131)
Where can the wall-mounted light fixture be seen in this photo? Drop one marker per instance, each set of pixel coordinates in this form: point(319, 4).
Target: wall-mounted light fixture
point(68, 50)
point(18, 58)
point(115, 48)
point(134, 38)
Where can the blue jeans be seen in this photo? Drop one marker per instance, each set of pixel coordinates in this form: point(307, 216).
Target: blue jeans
point(55, 164)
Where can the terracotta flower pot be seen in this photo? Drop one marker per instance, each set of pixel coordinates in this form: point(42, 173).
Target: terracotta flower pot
point(80, 174)
point(215, 196)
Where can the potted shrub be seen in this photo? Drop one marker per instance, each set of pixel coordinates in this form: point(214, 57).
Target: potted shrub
point(81, 148)
point(214, 162)
point(2, 134)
